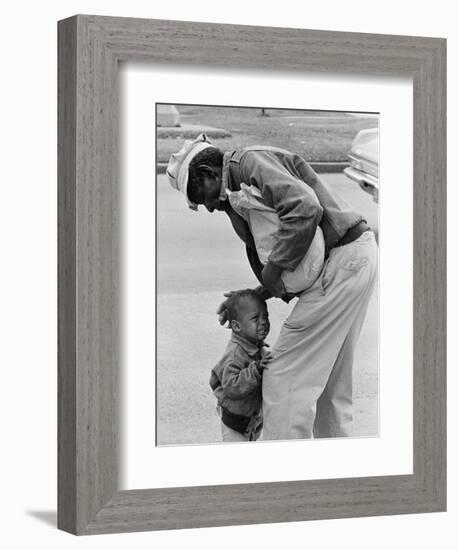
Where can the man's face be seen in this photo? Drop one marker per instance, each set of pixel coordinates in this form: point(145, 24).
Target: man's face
point(208, 193)
point(253, 320)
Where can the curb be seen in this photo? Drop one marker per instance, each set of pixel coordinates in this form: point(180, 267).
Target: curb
point(190, 131)
point(320, 167)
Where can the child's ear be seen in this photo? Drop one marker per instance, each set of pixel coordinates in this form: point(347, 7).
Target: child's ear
point(235, 325)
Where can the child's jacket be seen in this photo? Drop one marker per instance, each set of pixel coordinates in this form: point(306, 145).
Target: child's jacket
point(236, 379)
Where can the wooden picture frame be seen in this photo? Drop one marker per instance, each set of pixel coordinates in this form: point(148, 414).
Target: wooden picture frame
point(90, 48)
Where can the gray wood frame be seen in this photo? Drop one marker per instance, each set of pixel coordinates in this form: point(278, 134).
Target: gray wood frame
point(90, 48)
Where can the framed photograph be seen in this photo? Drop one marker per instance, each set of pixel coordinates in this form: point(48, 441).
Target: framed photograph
point(194, 265)
point(292, 181)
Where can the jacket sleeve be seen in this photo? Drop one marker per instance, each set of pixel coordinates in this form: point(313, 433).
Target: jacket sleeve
point(215, 385)
point(296, 204)
point(239, 382)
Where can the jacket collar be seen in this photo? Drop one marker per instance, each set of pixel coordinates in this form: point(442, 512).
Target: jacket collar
point(251, 349)
point(225, 177)
point(229, 180)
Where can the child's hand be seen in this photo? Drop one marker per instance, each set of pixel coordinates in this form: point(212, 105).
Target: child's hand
point(267, 358)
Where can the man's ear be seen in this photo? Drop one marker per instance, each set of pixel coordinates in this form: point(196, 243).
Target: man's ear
point(235, 325)
point(207, 171)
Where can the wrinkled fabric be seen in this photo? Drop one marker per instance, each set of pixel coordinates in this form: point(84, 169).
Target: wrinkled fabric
point(236, 378)
point(232, 436)
point(264, 223)
point(178, 166)
point(307, 387)
point(300, 197)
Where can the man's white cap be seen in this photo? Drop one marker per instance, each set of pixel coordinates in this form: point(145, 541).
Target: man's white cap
point(177, 169)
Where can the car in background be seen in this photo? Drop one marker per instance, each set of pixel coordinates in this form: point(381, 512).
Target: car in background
point(364, 161)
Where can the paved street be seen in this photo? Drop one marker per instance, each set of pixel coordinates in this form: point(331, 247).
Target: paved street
point(198, 258)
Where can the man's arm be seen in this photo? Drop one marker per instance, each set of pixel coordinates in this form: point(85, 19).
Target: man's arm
point(296, 204)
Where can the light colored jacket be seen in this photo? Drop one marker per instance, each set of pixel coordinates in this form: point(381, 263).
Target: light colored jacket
point(300, 197)
point(264, 224)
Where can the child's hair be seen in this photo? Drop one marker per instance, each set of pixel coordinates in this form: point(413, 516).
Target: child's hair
point(211, 156)
point(233, 302)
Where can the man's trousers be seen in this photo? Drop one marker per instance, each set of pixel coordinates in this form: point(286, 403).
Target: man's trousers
point(308, 386)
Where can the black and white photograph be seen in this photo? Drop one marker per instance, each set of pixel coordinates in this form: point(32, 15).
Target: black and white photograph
point(267, 255)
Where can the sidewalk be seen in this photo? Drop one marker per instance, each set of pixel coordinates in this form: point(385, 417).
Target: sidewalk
point(185, 403)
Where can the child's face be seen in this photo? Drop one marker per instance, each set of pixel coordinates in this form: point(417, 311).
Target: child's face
point(253, 320)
